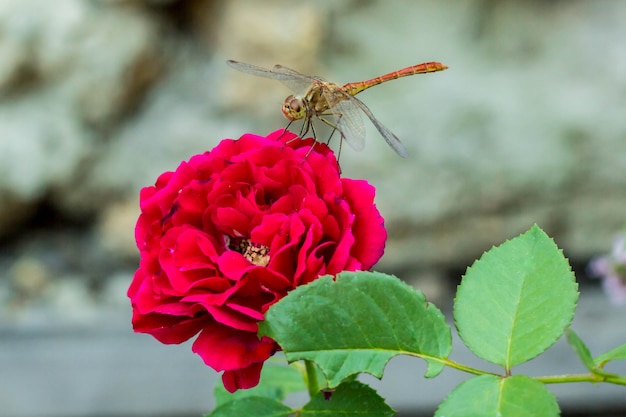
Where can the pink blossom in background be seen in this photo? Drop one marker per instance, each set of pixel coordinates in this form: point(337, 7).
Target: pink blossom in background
point(612, 270)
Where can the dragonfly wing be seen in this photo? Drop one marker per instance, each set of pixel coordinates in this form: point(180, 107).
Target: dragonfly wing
point(294, 80)
point(350, 124)
point(391, 139)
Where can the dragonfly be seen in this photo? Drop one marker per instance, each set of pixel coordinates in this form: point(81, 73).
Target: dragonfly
point(333, 104)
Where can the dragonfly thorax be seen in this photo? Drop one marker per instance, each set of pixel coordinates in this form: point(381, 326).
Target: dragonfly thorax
point(294, 108)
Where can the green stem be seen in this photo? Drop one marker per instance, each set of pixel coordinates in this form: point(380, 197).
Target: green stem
point(594, 378)
point(463, 368)
point(559, 379)
point(616, 381)
point(311, 378)
point(554, 379)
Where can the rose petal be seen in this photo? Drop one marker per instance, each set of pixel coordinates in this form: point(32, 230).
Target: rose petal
point(168, 329)
point(242, 378)
point(224, 348)
point(369, 230)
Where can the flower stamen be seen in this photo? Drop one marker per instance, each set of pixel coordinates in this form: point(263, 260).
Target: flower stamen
point(257, 254)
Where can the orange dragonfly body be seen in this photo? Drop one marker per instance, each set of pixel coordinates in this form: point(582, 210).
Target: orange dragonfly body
point(333, 104)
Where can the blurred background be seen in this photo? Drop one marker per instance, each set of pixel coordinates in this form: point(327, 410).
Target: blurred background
point(98, 97)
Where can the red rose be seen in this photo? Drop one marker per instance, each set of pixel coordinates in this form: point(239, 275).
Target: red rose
point(232, 231)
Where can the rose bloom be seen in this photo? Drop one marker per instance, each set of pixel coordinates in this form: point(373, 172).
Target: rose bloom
point(232, 231)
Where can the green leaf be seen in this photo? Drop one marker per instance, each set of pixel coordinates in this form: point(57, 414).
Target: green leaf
point(580, 348)
point(356, 324)
point(252, 406)
point(491, 396)
point(276, 382)
point(348, 399)
point(614, 354)
point(514, 302)
point(583, 353)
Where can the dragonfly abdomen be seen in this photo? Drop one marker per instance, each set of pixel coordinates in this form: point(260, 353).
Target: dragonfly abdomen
point(356, 87)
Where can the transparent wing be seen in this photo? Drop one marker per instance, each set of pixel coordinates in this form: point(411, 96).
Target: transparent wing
point(350, 124)
point(294, 80)
point(391, 139)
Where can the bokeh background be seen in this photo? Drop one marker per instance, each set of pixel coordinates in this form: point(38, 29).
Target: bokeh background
point(97, 97)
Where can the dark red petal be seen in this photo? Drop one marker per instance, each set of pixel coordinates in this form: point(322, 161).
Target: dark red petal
point(235, 319)
point(166, 328)
point(242, 378)
point(369, 228)
point(231, 220)
point(233, 265)
point(187, 256)
point(224, 348)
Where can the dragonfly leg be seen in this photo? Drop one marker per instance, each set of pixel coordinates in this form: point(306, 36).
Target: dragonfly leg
point(335, 128)
point(306, 126)
point(330, 136)
point(312, 128)
point(285, 129)
point(310, 149)
point(302, 131)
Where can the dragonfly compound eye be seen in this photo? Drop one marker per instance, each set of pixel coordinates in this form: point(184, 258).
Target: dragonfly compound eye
point(293, 108)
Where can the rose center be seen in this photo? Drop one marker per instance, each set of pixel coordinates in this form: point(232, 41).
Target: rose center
point(256, 253)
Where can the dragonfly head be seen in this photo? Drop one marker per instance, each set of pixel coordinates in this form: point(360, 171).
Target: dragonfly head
point(294, 108)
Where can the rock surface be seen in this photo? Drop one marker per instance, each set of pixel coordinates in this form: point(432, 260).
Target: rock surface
point(526, 126)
